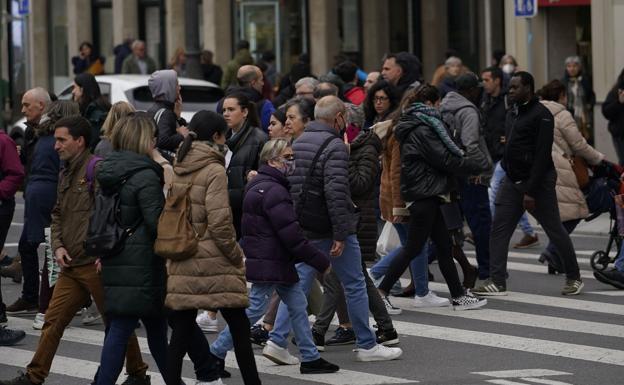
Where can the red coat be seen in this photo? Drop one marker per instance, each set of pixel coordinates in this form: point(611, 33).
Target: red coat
point(11, 169)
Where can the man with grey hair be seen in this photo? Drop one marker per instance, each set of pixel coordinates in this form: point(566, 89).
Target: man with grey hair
point(304, 88)
point(325, 89)
point(320, 190)
point(138, 63)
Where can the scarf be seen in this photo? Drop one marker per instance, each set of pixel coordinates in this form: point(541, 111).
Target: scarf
point(431, 118)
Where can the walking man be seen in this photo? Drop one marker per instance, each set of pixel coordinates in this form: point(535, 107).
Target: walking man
point(528, 185)
point(79, 277)
point(321, 170)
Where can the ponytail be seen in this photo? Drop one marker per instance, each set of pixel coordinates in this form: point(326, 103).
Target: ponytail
point(186, 146)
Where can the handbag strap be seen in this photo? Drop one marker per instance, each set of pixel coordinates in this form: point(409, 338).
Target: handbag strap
point(316, 158)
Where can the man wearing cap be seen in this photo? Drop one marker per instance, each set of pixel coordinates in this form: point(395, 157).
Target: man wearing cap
point(459, 111)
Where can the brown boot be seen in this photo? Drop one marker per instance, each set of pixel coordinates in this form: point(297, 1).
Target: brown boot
point(14, 270)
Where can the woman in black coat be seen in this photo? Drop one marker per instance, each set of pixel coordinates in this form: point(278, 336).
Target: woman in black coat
point(613, 110)
point(93, 105)
point(430, 163)
point(245, 141)
point(134, 280)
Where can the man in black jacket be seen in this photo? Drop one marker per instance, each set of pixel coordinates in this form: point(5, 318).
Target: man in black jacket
point(494, 107)
point(528, 185)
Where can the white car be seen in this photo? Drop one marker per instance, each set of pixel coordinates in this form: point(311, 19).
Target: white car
point(196, 95)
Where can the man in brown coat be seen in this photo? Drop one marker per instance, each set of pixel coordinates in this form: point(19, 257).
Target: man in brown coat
point(79, 277)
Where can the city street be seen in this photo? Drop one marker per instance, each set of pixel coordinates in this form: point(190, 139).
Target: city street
point(532, 336)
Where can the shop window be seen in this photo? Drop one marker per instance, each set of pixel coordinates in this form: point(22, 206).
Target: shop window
point(59, 55)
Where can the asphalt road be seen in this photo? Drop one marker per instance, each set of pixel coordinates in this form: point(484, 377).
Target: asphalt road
point(532, 336)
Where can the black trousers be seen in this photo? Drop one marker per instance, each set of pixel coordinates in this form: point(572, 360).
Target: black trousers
point(7, 208)
point(187, 337)
point(426, 222)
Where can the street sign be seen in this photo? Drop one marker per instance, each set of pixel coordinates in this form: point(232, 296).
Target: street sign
point(525, 8)
point(23, 7)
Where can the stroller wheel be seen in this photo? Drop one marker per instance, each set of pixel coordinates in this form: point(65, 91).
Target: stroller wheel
point(599, 260)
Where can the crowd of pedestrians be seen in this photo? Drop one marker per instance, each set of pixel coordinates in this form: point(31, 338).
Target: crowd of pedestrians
point(286, 191)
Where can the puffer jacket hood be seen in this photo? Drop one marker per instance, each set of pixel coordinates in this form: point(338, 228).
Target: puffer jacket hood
point(200, 155)
point(453, 101)
point(367, 137)
point(120, 165)
point(163, 85)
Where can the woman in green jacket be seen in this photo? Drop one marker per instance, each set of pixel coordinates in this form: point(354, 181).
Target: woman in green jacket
point(134, 280)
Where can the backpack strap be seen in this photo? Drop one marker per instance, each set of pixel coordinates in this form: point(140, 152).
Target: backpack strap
point(90, 173)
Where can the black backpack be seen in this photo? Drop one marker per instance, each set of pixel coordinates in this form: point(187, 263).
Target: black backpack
point(106, 236)
point(312, 209)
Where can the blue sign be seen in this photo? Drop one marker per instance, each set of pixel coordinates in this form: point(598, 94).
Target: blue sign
point(23, 7)
point(525, 8)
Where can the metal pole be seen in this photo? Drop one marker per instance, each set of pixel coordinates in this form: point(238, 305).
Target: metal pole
point(529, 45)
point(487, 14)
point(193, 67)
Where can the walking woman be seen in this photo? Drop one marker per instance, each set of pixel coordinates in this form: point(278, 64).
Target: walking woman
point(273, 242)
point(568, 143)
point(613, 110)
point(134, 279)
point(93, 105)
point(214, 278)
point(430, 162)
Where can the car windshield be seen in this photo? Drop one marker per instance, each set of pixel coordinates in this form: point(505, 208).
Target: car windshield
point(194, 98)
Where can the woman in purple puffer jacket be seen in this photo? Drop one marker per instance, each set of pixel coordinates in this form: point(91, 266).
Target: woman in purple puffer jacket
point(273, 242)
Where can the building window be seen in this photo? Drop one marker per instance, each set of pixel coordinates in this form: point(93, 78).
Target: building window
point(349, 29)
point(152, 29)
point(103, 32)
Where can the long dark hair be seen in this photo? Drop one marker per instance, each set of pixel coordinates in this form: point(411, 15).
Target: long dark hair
point(619, 83)
point(90, 92)
point(202, 126)
point(369, 102)
point(246, 103)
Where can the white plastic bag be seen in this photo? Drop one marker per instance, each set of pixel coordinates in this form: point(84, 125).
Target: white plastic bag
point(388, 240)
point(53, 267)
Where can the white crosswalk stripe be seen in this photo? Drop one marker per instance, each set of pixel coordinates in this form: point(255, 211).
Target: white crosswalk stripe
point(548, 336)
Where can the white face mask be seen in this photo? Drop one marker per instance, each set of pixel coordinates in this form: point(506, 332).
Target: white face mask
point(509, 68)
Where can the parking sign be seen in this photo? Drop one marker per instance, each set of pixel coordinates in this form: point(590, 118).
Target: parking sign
point(525, 8)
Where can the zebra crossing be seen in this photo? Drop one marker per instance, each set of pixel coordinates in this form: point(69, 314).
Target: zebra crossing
point(531, 336)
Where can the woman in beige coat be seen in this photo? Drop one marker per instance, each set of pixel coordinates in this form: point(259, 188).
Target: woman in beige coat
point(214, 278)
point(568, 142)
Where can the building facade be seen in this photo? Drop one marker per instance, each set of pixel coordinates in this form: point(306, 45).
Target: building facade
point(40, 44)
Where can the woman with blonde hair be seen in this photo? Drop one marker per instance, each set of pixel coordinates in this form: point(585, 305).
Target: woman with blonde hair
point(134, 280)
point(117, 111)
point(178, 62)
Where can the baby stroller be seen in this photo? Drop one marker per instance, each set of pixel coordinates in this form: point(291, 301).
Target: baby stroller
point(605, 185)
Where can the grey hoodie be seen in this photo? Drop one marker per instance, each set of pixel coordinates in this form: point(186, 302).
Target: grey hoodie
point(163, 85)
point(464, 118)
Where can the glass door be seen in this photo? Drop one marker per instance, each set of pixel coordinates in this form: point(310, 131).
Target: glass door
point(260, 26)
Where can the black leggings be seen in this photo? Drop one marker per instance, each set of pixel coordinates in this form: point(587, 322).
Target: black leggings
point(426, 221)
point(187, 337)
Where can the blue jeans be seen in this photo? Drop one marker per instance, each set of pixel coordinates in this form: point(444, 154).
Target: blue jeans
point(476, 208)
point(259, 298)
point(348, 268)
point(495, 183)
point(419, 265)
point(619, 261)
point(114, 350)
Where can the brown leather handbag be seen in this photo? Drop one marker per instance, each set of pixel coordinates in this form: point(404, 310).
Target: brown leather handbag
point(581, 170)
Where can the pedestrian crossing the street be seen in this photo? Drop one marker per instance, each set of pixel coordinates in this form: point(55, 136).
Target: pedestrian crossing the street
point(527, 337)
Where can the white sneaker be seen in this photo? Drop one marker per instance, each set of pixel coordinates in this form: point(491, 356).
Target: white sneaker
point(393, 310)
point(378, 353)
point(278, 354)
point(215, 382)
point(91, 316)
point(207, 324)
point(430, 300)
point(39, 321)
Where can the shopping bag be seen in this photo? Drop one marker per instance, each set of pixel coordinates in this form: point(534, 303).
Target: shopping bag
point(53, 267)
point(388, 240)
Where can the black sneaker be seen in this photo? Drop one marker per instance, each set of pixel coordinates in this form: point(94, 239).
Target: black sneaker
point(387, 337)
point(468, 302)
point(9, 337)
point(259, 335)
point(22, 379)
point(134, 379)
point(21, 306)
point(343, 336)
point(319, 341)
point(317, 367)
